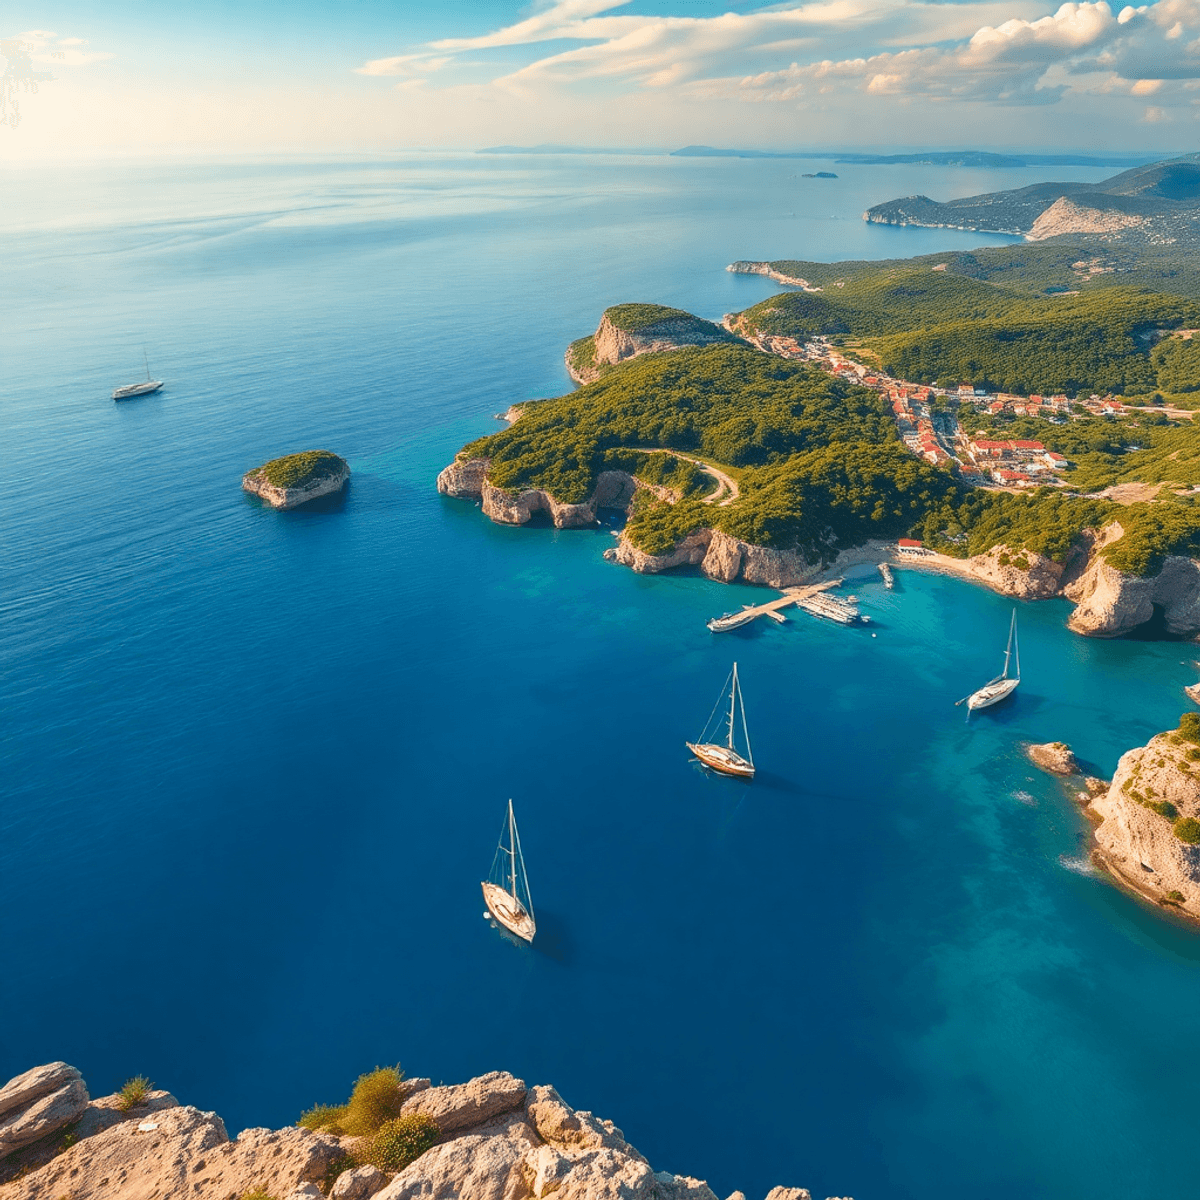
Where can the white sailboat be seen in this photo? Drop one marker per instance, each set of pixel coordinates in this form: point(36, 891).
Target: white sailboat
point(506, 889)
point(143, 388)
point(726, 757)
point(1004, 684)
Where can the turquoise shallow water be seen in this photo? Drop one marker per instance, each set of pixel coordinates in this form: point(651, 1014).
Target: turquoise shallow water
point(253, 764)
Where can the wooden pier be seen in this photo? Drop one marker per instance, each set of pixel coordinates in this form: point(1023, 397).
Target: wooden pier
point(788, 597)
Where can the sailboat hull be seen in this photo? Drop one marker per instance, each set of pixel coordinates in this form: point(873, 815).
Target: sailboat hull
point(722, 759)
point(992, 693)
point(508, 911)
point(137, 389)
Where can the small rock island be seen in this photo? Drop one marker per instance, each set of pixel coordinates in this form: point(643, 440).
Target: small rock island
point(296, 479)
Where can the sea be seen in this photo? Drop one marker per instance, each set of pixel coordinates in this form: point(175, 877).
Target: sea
point(254, 764)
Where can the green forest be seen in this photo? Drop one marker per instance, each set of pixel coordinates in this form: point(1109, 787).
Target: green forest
point(819, 464)
point(934, 327)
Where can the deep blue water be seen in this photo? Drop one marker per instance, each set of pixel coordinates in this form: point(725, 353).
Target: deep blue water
point(254, 763)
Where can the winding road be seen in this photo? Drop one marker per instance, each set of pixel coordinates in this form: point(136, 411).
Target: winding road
point(727, 489)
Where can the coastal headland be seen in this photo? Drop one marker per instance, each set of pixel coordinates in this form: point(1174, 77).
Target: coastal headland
point(491, 1138)
point(818, 462)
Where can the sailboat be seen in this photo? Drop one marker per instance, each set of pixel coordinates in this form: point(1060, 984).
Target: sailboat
point(506, 889)
point(144, 388)
point(725, 757)
point(1004, 684)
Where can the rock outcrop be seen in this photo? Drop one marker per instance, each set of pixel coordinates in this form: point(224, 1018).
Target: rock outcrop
point(1018, 573)
point(1065, 216)
point(1149, 814)
point(1053, 757)
point(467, 479)
point(629, 330)
point(297, 478)
point(39, 1103)
point(1109, 602)
point(499, 1141)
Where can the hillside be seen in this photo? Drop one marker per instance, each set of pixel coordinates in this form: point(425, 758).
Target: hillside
point(932, 326)
point(1157, 202)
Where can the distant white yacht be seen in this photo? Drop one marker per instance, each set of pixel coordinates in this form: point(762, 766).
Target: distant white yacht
point(506, 889)
point(144, 388)
point(1004, 684)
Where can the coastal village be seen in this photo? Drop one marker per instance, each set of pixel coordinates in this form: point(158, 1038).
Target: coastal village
point(927, 420)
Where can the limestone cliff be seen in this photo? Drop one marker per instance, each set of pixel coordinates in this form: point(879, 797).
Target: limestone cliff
point(1150, 815)
point(1109, 602)
point(496, 1140)
point(629, 330)
point(1065, 216)
point(467, 479)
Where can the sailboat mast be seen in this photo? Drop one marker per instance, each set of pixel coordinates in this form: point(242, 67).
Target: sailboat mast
point(732, 703)
point(146, 360)
point(512, 850)
point(1016, 644)
point(1008, 649)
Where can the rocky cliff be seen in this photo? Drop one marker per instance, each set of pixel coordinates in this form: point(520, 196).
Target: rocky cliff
point(497, 1140)
point(629, 330)
point(1149, 831)
point(1109, 602)
point(467, 479)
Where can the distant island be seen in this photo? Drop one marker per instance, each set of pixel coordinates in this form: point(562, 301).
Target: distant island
point(1155, 203)
point(296, 479)
point(929, 158)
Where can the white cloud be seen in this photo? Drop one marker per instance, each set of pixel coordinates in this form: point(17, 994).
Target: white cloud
point(993, 51)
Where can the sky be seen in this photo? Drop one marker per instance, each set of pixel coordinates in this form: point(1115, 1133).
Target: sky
point(370, 75)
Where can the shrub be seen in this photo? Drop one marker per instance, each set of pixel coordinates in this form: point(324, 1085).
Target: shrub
point(1176, 895)
point(1164, 808)
point(1189, 727)
point(401, 1141)
point(324, 1116)
point(376, 1098)
point(295, 469)
point(1187, 829)
point(134, 1092)
point(257, 1194)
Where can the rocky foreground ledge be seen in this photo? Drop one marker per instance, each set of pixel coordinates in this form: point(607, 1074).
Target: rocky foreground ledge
point(496, 1140)
point(296, 479)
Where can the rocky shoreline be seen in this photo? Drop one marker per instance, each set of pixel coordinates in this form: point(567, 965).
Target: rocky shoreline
point(496, 1140)
point(1108, 602)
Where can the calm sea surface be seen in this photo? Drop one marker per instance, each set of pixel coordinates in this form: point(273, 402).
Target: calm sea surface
point(253, 764)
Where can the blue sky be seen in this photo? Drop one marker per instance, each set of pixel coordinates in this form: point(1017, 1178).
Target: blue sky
point(375, 75)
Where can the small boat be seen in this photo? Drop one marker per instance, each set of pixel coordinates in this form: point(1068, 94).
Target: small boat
point(506, 889)
point(144, 388)
point(1003, 685)
point(725, 758)
point(733, 620)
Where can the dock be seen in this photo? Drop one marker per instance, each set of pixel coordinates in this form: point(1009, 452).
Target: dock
point(789, 596)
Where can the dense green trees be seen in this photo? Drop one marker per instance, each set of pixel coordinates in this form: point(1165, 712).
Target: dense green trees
point(935, 327)
point(1177, 364)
